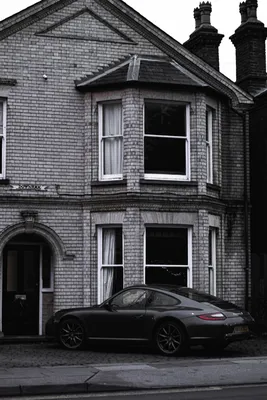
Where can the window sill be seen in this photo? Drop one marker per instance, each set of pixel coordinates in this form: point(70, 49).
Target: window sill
point(4, 182)
point(109, 183)
point(166, 182)
point(212, 186)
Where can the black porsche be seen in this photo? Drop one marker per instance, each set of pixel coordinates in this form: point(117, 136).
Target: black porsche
point(168, 317)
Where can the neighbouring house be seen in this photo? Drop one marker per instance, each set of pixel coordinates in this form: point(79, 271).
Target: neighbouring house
point(124, 159)
point(249, 40)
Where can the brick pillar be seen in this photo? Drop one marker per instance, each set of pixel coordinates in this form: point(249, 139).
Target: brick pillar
point(205, 40)
point(249, 41)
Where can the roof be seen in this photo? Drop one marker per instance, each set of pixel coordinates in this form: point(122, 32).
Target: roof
point(142, 69)
point(136, 21)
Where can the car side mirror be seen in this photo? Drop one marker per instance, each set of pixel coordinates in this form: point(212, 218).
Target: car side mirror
point(110, 307)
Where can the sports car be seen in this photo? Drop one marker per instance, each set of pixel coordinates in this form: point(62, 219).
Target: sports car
point(170, 318)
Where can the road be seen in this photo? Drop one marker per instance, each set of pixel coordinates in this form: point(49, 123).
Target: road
point(255, 392)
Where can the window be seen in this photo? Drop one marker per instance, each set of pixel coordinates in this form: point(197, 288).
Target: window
point(168, 256)
point(111, 262)
point(47, 272)
point(2, 137)
point(111, 141)
point(209, 130)
point(212, 261)
point(159, 299)
point(133, 298)
point(166, 140)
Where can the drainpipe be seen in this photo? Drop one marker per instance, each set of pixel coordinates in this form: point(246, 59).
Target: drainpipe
point(245, 117)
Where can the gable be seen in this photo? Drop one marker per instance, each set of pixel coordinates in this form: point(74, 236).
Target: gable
point(85, 25)
point(153, 39)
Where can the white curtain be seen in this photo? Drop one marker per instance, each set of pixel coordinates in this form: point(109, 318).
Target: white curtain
point(112, 139)
point(108, 258)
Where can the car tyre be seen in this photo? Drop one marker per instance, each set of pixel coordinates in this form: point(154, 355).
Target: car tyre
point(169, 338)
point(71, 334)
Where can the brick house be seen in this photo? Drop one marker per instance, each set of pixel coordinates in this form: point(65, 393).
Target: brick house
point(124, 159)
point(249, 40)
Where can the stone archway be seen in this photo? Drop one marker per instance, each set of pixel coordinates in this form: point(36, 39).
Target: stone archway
point(30, 255)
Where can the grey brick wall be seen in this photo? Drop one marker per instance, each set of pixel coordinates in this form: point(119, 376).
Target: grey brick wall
point(52, 139)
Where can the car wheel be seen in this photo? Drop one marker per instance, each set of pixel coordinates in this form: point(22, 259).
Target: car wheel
point(71, 334)
point(169, 338)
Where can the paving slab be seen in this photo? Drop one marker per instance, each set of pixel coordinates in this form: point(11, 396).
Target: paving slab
point(44, 368)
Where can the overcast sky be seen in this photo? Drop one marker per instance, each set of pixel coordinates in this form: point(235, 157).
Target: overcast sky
point(176, 18)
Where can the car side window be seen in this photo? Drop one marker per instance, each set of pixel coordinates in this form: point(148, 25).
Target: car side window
point(133, 298)
point(160, 299)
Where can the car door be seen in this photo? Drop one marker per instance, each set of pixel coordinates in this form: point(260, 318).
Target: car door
point(123, 317)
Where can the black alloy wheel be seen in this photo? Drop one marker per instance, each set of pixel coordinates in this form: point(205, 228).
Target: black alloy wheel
point(71, 334)
point(169, 338)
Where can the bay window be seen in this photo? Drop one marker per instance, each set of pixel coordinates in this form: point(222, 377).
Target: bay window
point(166, 140)
point(111, 140)
point(110, 261)
point(168, 256)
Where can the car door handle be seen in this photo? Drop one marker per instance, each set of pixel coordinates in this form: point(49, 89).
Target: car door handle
point(139, 316)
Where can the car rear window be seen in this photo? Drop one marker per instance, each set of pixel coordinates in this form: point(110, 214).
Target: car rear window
point(195, 295)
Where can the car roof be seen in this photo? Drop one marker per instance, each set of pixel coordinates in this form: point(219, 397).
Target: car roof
point(166, 287)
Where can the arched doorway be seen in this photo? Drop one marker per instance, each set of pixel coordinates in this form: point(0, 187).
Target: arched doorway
point(27, 285)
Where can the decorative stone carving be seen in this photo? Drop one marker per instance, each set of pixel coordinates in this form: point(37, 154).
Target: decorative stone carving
point(29, 218)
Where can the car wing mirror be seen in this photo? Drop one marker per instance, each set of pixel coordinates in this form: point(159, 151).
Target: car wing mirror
point(110, 307)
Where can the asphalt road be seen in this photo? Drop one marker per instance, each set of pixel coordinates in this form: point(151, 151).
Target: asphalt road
point(258, 392)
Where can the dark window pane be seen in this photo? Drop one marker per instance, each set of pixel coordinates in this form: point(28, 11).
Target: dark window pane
point(210, 247)
point(160, 299)
point(167, 276)
point(12, 271)
point(1, 118)
point(165, 119)
point(1, 155)
point(166, 246)
point(207, 126)
point(46, 268)
point(166, 156)
point(118, 246)
point(134, 298)
point(117, 284)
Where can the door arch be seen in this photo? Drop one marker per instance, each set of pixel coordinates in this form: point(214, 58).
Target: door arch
point(27, 285)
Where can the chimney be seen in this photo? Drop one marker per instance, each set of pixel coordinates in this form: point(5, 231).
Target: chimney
point(205, 40)
point(249, 41)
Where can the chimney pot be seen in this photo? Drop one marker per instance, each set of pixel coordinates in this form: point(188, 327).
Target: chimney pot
point(243, 12)
point(205, 11)
point(252, 6)
point(197, 17)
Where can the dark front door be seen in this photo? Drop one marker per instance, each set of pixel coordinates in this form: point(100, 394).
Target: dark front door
point(21, 290)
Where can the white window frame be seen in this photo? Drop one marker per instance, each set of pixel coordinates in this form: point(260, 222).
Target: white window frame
point(99, 258)
point(212, 266)
point(3, 138)
point(102, 176)
point(209, 142)
point(187, 143)
point(189, 252)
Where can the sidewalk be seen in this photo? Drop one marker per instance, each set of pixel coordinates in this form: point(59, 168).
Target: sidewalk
point(59, 371)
